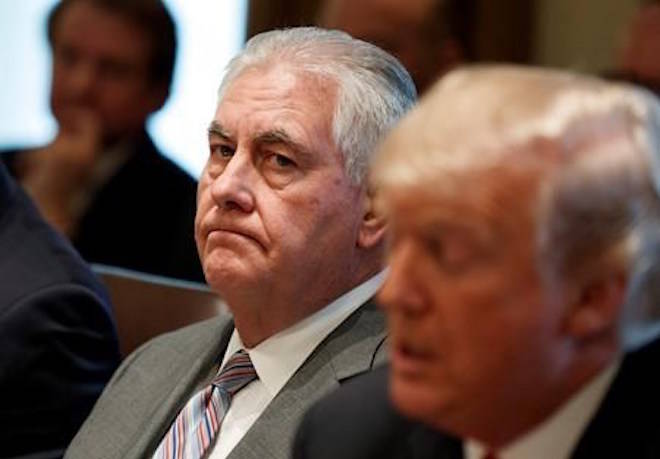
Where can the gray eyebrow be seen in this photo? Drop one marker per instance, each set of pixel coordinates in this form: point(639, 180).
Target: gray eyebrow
point(216, 129)
point(267, 137)
point(280, 136)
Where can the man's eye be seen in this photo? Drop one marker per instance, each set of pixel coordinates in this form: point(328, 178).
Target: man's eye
point(435, 246)
point(279, 161)
point(283, 161)
point(279, 170)
point(114, 69)
point(222, 150)
point(66, 55)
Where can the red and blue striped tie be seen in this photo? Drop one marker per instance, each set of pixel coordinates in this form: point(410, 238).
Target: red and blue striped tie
point(198, 422)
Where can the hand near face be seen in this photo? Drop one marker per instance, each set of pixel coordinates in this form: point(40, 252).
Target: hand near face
point(55, 173)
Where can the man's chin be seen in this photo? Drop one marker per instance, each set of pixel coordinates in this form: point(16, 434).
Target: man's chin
point(414, 400)
point(229, 275)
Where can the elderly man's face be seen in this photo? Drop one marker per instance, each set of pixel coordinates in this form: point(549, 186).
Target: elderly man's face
point(277, 214)
point(470, 327)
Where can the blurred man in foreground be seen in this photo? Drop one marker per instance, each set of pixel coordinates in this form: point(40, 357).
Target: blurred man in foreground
point(288, 237)
point(102, 181)
point(523, 295)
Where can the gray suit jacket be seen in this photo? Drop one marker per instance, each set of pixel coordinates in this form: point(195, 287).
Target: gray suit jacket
point(155, 382)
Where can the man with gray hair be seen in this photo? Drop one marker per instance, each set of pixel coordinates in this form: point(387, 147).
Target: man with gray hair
point(523, 300)
point(288, 237)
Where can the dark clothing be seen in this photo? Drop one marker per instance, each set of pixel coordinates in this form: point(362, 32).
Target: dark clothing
point(58, 342)
point(142, 218)
point(358, 421)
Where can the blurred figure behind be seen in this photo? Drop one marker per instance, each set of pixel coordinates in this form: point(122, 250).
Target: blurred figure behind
point(102, 182)
point(429, 37)
point(640, 56)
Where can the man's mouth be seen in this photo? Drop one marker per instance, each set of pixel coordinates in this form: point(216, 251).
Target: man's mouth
point(233, 235)
point(409, 359)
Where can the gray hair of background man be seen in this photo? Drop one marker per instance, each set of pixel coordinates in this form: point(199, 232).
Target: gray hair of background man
point(374, 89)
point(597, 147)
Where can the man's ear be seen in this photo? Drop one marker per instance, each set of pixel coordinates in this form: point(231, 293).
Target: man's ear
point(596, 307)
point(373, 226)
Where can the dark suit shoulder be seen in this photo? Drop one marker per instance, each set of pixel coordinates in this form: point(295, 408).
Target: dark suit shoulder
point(57, 330)
point(34, 256)
point(358, 421)
point(143, 218)
point(623, 425)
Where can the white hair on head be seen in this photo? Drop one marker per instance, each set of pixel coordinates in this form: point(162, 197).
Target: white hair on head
point(596, 146)
point(373, 89)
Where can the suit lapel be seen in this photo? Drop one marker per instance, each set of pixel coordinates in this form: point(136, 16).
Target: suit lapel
point(348, 351)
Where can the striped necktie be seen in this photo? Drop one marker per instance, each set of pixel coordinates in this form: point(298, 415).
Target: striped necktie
point(197, 424)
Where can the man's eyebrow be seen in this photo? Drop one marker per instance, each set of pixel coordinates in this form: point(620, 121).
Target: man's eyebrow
point(216, 129)
point(280, 136)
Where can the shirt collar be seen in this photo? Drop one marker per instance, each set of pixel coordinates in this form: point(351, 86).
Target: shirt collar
point(558, 435)
point(278, 357)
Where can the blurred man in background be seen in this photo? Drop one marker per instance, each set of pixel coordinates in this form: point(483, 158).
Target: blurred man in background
point(638, 61)
point(429, 37)
point(523, 299)
point(102, 182)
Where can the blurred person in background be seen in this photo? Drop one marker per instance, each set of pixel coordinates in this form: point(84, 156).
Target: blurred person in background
point(429, 37)
point(102, 181)
point(639, 60)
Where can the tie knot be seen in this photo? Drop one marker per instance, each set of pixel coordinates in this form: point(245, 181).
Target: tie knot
point(236, 374)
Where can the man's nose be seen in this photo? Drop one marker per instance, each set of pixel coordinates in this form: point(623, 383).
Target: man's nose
point(401, 292)
point(233, 189)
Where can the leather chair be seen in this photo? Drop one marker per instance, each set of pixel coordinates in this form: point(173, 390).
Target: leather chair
point(147, 305)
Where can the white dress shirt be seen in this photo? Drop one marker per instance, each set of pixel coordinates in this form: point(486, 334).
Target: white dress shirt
point(557, 436)
point(277, 358)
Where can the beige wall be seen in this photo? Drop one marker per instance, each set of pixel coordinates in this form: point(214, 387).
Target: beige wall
point(580, 34)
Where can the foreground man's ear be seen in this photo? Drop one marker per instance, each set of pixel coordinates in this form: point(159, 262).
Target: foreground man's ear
point(597, 306)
